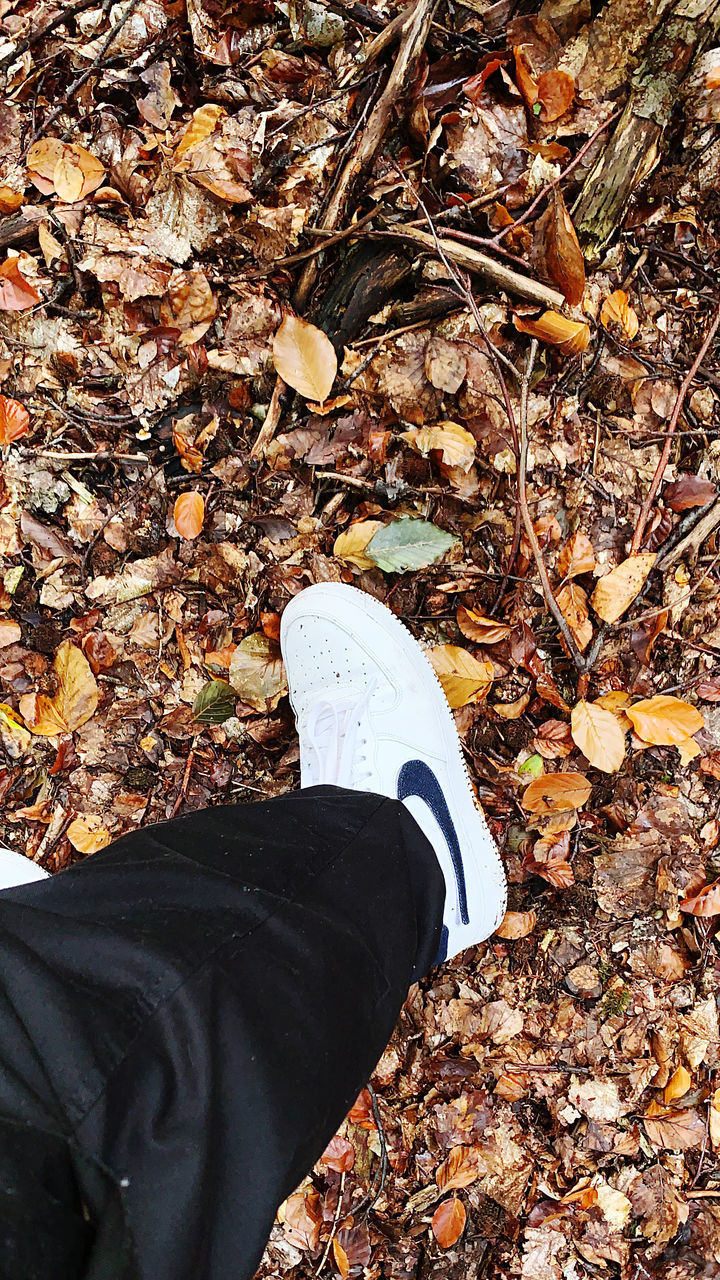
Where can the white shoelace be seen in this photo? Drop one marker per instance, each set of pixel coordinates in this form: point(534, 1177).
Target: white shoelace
point(335, 742)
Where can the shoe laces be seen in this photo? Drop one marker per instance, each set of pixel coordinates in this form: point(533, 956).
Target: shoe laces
point(336, 742)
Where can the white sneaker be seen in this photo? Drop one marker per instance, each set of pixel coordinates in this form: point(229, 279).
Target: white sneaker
point(16, 869)
point(372, 716)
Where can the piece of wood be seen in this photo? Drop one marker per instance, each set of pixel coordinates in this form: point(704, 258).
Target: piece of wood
point(634, 148)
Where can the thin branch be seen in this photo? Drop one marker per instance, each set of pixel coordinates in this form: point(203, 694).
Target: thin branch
point(333, 1229)
point(674, 418)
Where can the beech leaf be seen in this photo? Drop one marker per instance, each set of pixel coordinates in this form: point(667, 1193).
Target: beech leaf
point(350, 545)
point(704, 903)
point(454, 443)
point(664, 721)
point(571, 336)
point(74, 702)
point(616, 591)
point(14, 420)
point(88, 833)
point(689, 491)
point(215, 703)
point(481, 629)
point(577, 556)
point(617, 310)
point(189, 513)
point(257, 673)
point(16, 293)
point(555, 792)
point(460, 1169)
point(516, 924)
point(598, 734)
point(407, 543)
point(560, 250)
point(464, 679)
point(305, 358)
point(448, 1222)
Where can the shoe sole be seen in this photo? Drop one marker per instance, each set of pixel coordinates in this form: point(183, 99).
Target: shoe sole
point(486, 862)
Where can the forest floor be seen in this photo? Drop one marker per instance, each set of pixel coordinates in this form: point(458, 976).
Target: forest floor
point(342, 292)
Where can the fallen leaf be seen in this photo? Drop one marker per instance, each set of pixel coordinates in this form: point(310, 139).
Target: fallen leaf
point(351, 543)
point(617, 310)
point(74, 702)
point(577, 556)
point(460, 1169)
point(677, 1086)
point(361, 1112)
point(301, 1216)
point(558, 249)
point(464, 679)
point(643, 637)
point(481, 629)
point(689, 750)
point(454, 443)
point(305, 358)
point(342, 1261)
point(664, 721)
point(10, 632)
point(573, 603)
point(77, 173)
point(203, 123)
point(689, 491)
point(549, 859)
point(257, 673)
point(407, 543)
point(448, 1222)
point(189, 514)
point(571, 336)
point(516, 924)
point(553, 740)
point(616, 591)
point(445, 365)
point(512, 710)
point(14, 420)
point(555, 92)
point(714, 1118)
point(616, 701)
point(215, 703)
point(598, 735)
point(705, 903)
point(88, 833)
point(556, 792)
point(339, 1154)
point(674, 1130)
point(16, 293)
point(614, 1206)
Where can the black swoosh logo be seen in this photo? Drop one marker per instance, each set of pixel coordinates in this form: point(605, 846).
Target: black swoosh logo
point(417, 779)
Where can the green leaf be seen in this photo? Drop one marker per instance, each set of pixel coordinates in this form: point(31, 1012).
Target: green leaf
point(533, 765)
point(215, 703)
point(408, 544)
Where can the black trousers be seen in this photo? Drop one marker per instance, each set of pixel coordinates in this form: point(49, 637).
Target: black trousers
point(186, 1018)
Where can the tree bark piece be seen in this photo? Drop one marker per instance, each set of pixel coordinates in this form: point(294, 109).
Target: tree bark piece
point(633, 150)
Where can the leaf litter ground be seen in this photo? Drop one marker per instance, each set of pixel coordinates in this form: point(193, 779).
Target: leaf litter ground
point(326, 293)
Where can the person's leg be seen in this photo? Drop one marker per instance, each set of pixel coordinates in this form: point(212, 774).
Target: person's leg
point(202, 1001)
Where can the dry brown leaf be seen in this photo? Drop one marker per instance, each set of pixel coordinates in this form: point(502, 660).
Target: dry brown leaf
point(571, 336)
point(14, 420)
point(664, 721)
point(464, 679)
point(74, 702)
point(257, 673)
point(677, 1086)
point(573, 603)
point(597, 733)
point(705, 903)
point(305, 358)
point(553, 740)
point(88, 833)
point(189, 513)
point(460, 1169)
point(559, 249)
point(577, 556)
point(555, 792)
point(42, 158)
point(350, 545)
point(617, 702)
point(342, 1261)
point(448, 1222)
point(516, 924)
point(339, 1154)
point(549, 858)
point(689, 491)
point(616, 591)
point(10, 632)
point(16, 293)
point(203, 123)
point(617, 310)
point(445, 365)
point(454, 443)
point(512, 710)
point(555, 92)
point(481, 629)
point(674, 1130)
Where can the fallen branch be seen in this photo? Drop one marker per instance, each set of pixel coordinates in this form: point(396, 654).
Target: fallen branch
point(414, 27)
point(674, 417)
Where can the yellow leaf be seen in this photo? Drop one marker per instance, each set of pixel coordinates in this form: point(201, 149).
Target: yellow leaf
point(598, 734)
point(677, 1086)
point(665, 721)
point(350, 545)
point(617, 702)
point(456, 445)
point(571, 336)
point(75, 701)
point(614, 1206)
point(617, 310)
point(555, 792)
point(77, 173)
point(88, 833)
point(203, 123)
point(462, 677)
point(10, 200)
point(305, 357)
point(689, 750)
point(42, 158)
point(516, 924)
point(189, 513)
point(616, 591)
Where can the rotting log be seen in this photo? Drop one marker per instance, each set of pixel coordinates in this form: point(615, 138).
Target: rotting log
point(634, 148)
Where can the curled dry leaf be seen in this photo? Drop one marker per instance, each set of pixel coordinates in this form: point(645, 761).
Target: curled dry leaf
point(189, 513)
point(350, 545)
point(16, 293)
point(448, 1222)
point(597, 733)
point(677, 1086)
point(555, 792)
point(454, 443)
point(704, 903)
point(549, 859)
point(257, 673)
point(512, 710)
point(460, 1169)
point(516, 924)
point(616, 591)
point(88, 833)
point(553, 740)
point(689, 491)
point(664, 721)
point(617, 310)
point(481, 629)
point(464, 679)
point(571, 336)
point(74, 702)
point(342, 1262)
point(305, 358)
point(577, 556)
point(14, 420)
point(559, 250)
point(203, 123)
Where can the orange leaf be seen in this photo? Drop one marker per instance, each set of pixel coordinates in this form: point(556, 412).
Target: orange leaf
point(341, 1259)
point(560, 250)
point(361, 1112)
point(555, 92)
point(664, 721)
point(548, 859)
point(75, 701)
point(14, 420)
point(77, 173)
point(704, 903)
point(448, 1222)
point(577, 556)
point(481, 629)
point(16, 293)
point(617, 310)
point(524, 78)
point(573, 603)
point(305, 358)
point(339, 1154)
point(88, 833)
point(677, 1086)
point(571, 336)
point(555, 792)
point(460, 1169)
point(598, 734)
point(189, 513)
point(516, 924)
point(616, 591)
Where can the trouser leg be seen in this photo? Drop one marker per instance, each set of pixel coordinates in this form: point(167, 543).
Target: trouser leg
point(260, 956)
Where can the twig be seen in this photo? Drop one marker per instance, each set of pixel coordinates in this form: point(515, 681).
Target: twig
point(552, 603)
point(333, 1229)
point(376, 1189)
point(326, 242)
point(184, 785)
point(58, 21)
point(106, 456)
point(663, 461)
point(272, 418)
